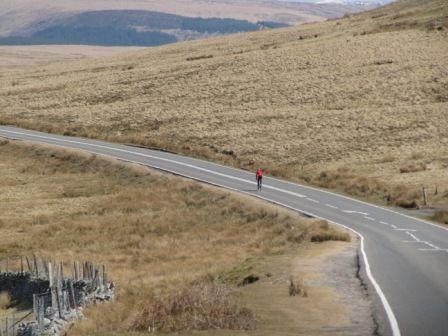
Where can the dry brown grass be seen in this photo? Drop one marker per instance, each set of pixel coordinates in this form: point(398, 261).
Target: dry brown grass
point(20, 57)
point(155, 234)
point(413, 168)
point(323, 232)
point(202, 306)
point(441, 216)
point(297, 104)
point(5, 301)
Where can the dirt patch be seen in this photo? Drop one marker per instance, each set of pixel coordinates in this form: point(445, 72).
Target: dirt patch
point(335, 302)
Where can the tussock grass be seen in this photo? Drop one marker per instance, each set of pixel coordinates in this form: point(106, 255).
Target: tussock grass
point(306, 107)
point(441, 216)
point(297, 287)
point(195, 58)
point(322, 232)
point(413, 168)
point(203, 305)
point(157, 235)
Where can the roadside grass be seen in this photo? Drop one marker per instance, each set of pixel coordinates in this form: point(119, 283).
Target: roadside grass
point(160, 237)
point(440, 216)
point(5, 301)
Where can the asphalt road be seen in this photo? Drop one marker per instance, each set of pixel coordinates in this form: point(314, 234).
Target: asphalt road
point(404, 260)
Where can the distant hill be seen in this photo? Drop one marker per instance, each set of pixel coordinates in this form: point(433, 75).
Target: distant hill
point(130, 28)
point(152, 22)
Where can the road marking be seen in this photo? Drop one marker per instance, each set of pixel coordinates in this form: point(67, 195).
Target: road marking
point(408, 230)
point(431, 245)
point(312, 200)
point(331, 206)
point(162, 159)
point(393, 226)
point(391, 316)
point(355, 212)
point(370, 218)
point(432, 250)
point(385, 223)
point(413, 237)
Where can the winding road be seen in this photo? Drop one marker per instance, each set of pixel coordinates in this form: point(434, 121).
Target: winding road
point(404, 260)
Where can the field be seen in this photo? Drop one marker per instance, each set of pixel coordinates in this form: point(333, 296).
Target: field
point(159, 234)
point(357, 104)
point(20, 57)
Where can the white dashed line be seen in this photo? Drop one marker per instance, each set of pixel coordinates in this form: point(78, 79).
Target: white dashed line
point(355, 212)
point(431, 245)
point(370, 218)
point(413, 237)
point(391, 316)
point(384, 223)
point(331, 206)
point(393, 226)
point(407, 230)
point(432, 250)
point(312, 200)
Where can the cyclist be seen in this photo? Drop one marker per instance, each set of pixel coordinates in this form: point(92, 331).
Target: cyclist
point(259, 178)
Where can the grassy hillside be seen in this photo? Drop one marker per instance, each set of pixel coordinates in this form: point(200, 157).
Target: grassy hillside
point(20, 57)
point(357, 104)
point(160, 235)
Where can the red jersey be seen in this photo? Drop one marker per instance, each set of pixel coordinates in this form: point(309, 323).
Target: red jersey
point(259, 173)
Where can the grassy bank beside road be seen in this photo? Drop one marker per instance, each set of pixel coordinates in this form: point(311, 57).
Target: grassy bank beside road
point(161, 237)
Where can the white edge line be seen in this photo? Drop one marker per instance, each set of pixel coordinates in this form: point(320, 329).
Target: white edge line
point(392, 320)
point(357, 200)
point(390, 314)
point(155, 158)
point(243, 171)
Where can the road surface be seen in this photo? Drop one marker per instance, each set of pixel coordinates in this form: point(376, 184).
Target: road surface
point(404, 259)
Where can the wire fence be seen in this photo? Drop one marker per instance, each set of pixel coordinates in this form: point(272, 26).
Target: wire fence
point(49, 296)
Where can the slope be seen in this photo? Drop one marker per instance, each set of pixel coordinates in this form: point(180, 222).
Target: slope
point(356, 104)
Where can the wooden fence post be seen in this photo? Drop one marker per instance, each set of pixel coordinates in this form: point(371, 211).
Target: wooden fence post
point(103, 278)
point(36, 267)
point(76, 270)
point(45, 263)
point(52, 286)
point(425, 200)
point(61, 268)
point(59, 292)
point(29, 265)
